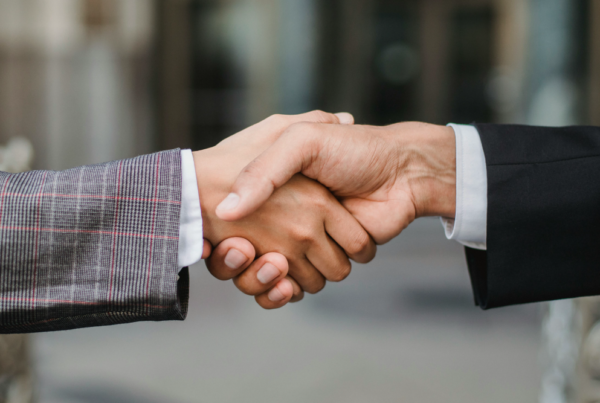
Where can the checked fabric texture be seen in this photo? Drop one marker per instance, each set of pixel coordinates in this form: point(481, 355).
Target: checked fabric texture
point(91, 246)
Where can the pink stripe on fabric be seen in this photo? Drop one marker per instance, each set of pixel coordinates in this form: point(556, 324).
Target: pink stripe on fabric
point(64, 301)
point(37, 238)
point(90, 197)
point(152, 230)
point(82, 231)
point(114, 233)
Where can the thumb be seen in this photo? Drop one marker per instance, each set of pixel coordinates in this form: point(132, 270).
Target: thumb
point(294, 151)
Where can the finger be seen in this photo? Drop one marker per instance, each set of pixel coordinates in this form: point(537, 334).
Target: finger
point(278, 296)
point(349, 234)
point(329, 259)
point(306, 275)
point(206, 249)
point(263, 274)
point(287, 156)
point(294, 150)
point(226, 210)
point(343, 118)
point(298, 292)
point(281, 122)
point(230, 258)
point(369, 214)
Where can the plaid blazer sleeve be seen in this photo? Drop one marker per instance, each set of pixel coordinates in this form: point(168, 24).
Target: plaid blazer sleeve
point(91, 246)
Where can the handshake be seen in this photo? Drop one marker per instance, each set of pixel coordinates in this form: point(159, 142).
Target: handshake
point(308, 193)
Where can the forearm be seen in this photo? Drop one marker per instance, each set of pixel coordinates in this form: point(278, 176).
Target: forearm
point(213, 169)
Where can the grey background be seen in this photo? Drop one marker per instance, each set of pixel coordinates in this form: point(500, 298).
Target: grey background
point(403, 328)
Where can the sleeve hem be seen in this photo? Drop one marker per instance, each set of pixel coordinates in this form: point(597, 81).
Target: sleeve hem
point(190, 229)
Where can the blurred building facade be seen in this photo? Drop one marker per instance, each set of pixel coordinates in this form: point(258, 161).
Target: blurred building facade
point(75, 78)
point(91, 80)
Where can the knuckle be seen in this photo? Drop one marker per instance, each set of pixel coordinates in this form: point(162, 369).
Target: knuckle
point(251, 169)
point(216, 272)
point(256, 172)
point(278, 122)
point(320, 116)
point(341, 272)
point(303, 234)
point(314, 286)
point(370, 256)
point(266, 304)
point(303, 135)
point(321, 198)
point(303, 128)
point(359, 243)
point(220, 276)
point(278, 118)
point(297, 297)
point(245, 286)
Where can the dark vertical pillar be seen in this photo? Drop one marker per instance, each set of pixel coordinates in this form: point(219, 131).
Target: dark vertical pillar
point(356, 56)
point(434, 45)
point(173, 54)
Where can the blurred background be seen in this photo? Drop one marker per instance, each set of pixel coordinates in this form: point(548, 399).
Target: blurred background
point(87, 81)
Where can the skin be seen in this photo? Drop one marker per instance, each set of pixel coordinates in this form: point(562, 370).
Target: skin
point(301, 232)
point(385, 176)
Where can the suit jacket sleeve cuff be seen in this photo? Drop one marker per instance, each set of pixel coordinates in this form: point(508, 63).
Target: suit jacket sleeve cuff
point(190, 227)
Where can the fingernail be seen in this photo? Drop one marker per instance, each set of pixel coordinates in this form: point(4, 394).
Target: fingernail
point(275, 295)
point(345, 118)
point(230, 202)
point(235, 259)
point(267, 273)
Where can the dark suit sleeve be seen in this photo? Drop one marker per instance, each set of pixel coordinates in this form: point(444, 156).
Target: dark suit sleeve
point(91, 246)
point(543, 216)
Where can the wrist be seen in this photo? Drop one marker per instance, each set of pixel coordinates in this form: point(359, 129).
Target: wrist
point(212, 187)
point(432, 168)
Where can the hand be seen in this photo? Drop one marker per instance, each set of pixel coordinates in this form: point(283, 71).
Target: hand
point(232, 258)
point(385, 176)
point(297, 222)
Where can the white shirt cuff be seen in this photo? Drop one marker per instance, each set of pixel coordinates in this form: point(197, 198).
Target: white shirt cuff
point(469, 227)
point(190, 221)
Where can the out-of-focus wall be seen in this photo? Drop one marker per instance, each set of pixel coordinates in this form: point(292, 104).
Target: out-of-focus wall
point(75, 78)
point(91, 80)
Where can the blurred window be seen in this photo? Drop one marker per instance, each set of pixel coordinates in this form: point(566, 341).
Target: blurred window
point(396, 64)
point(217, 88)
